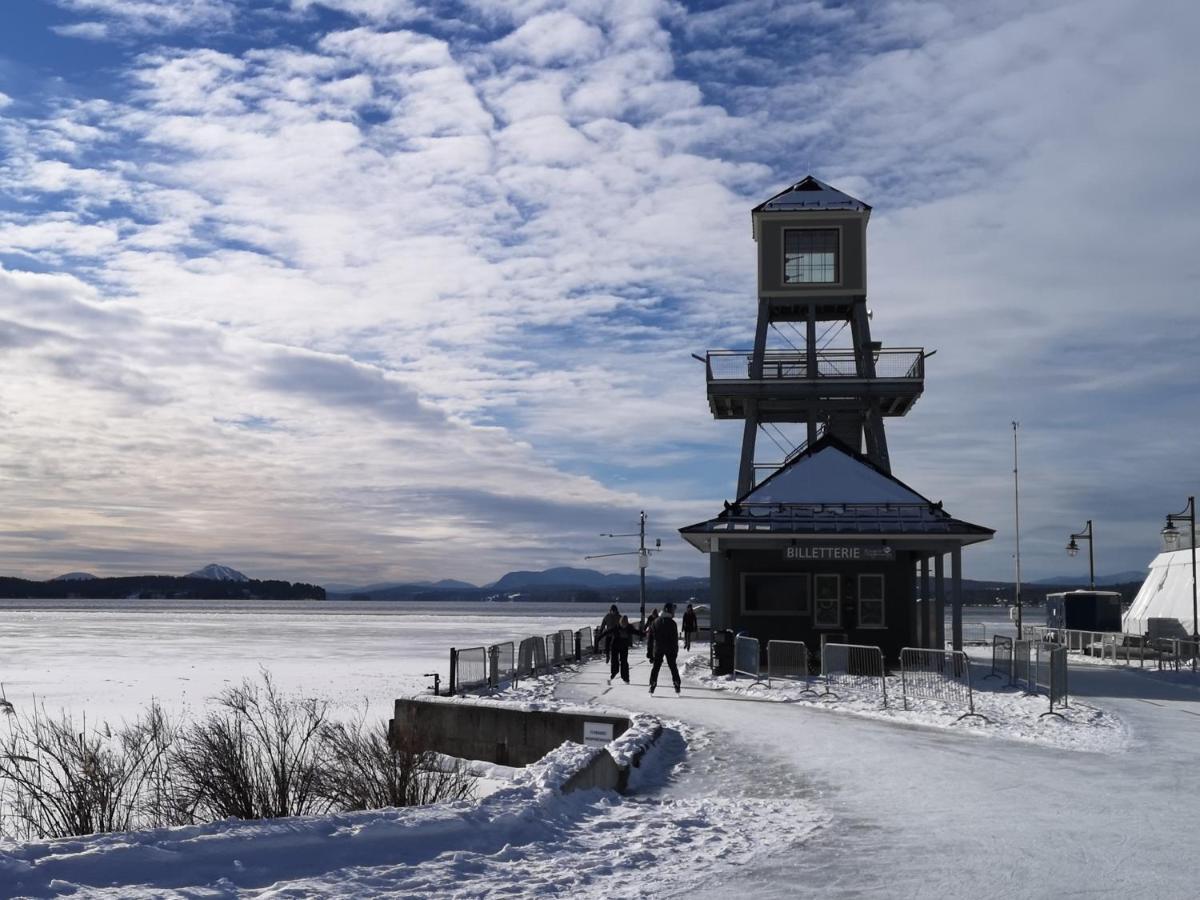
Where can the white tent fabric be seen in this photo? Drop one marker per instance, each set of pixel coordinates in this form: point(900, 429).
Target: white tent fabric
point(1165, 594)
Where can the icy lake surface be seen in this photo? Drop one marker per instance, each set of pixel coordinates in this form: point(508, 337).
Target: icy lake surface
point(109, 659)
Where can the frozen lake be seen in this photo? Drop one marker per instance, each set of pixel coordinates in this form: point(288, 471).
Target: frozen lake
point(108, 659)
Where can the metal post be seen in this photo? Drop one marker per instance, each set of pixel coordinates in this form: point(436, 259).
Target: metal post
point(939, 592)
point(642, 565)
point(956, 597)
point(1091, 560)
point(1017, 522)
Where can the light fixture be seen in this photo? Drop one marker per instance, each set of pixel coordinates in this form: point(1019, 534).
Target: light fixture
point(1170, 534)
point(1072, 548)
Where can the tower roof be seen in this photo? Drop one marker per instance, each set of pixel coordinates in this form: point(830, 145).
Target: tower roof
point(832, 491)
point(810, 194)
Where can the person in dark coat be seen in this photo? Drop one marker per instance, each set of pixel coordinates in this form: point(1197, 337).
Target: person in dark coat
point(690, 626)
point(648, 630)
point(622, 640)
point(666, 646)
point(608, 626)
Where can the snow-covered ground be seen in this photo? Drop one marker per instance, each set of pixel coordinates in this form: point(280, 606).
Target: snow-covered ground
point(743, 795)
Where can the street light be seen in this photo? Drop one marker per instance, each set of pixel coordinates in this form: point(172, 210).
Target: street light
point(642, 553)
point(1171, 537)
point(1073, 549)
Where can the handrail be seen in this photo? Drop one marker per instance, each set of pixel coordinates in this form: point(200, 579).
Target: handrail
point(906, 363)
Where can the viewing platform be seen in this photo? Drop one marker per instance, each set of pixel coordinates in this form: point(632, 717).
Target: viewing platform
point(786, 386)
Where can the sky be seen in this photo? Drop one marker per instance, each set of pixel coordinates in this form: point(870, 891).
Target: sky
point(363, 290)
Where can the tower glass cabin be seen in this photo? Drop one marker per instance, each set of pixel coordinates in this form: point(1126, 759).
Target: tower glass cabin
point(813, 359)
point(828, 544)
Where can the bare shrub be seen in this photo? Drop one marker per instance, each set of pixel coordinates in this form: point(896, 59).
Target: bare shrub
point(257, 756)
point(60, 781)
point(365, 771)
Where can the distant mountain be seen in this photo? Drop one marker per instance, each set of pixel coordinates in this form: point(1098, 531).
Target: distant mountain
point(565, 576)
point(446, 584)
point(1101, 580)
point(216, 572)
point(75, 576)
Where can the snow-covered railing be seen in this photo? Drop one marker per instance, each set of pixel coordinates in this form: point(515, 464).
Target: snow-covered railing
point(942, 675)
point(747, 656)
point(856, 668)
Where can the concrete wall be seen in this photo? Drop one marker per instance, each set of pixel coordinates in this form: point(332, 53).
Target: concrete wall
point(503, 734)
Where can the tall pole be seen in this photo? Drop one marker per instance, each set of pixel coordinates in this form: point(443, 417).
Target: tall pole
point(642, 567)
point(1091, 563)
point(1195, 637)
point(1017, 516)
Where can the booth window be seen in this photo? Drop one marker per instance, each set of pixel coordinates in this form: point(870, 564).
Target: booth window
point(827, 604)
point(810, 256)
point(870, 601)
point(775, 594)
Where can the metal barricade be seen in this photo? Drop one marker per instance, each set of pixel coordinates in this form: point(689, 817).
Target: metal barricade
point(1002, 658)
point(974, 634)
point(747, 656)
point(468, 669)
point(1022, 663)
point(555, 652)
point(788, 661)
point(942, 675)
point(1051, 676)
point(566, 641)
point(531, 657)
point(856, 668)
point(502, 663)
point(586, 643)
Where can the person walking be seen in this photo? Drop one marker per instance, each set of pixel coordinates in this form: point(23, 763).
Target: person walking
point(622, 640)
point(648, 631)
point(666, 646)
point(608, 625)
point(690, 626)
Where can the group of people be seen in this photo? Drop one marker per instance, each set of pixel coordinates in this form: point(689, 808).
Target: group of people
point(616, 635)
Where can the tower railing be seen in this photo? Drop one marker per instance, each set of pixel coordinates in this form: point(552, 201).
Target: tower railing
point(905, 363)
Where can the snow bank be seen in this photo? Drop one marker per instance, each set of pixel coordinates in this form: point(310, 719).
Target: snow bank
point(1012, 714)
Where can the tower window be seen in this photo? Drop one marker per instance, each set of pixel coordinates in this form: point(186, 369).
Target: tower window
point(810, 256)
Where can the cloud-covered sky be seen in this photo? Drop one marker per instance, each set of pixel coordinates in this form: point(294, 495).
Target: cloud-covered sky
point(354, 290)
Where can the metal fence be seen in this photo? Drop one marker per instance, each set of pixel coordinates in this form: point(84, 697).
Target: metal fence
point(502, 658)
point(974, 634)
point(1050, 675)
point(788, 661)
point(531, 657)
point(585, 644)
point(1002, 658)
point(1022, 663)
point(566, 640)
point(747, 657)
point(942, 675)
point(854, 668)
point(468, 669)
point(1174, 653)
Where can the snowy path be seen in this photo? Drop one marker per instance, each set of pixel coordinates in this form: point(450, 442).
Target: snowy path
point(917, 812)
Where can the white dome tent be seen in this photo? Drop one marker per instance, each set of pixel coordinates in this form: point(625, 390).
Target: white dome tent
point(1165, 594)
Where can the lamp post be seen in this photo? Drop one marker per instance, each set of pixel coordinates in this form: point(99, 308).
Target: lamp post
point(643, 554)
point(1073, 548)
point(1171, 536)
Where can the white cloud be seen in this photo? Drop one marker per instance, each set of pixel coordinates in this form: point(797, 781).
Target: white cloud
point(88, 31)
point(531, 250)
point(149, 16)
point(553, 38)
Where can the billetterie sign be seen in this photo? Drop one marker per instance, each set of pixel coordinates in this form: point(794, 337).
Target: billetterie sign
point(845, 553)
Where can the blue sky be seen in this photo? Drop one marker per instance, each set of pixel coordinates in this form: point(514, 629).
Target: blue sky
point(379, 289)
